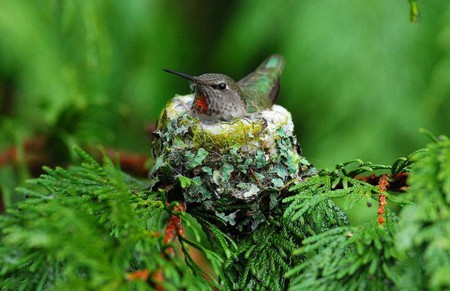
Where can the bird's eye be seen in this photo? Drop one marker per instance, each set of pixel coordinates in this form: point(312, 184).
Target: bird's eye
point(222, 86)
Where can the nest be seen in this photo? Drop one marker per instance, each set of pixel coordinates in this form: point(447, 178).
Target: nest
point(236, 169)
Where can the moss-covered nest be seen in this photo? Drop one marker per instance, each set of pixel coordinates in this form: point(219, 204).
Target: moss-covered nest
point(236, 170)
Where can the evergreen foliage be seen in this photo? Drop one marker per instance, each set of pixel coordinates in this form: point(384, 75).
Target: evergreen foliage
point(87, 227)
point(94, 227)
point(424, 234)
point(348, 258)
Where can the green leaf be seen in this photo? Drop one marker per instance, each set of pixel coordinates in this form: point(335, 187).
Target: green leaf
point(277, 183)
point(227, 169)
point(184, 181)
point(198, 159)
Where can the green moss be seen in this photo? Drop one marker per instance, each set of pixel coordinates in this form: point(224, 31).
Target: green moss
point(239, 132)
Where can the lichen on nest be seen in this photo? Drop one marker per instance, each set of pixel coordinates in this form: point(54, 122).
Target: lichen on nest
point(228, 167)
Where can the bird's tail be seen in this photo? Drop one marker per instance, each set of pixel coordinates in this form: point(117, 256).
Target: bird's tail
point(274, 62)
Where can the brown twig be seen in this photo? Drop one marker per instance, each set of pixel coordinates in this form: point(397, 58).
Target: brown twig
point(36, 155)
point(256, 178)
point(396, 183)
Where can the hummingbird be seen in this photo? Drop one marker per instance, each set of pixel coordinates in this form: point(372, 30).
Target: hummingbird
point(219, 97)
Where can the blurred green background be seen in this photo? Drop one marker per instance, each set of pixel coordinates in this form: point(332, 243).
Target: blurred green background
point(360, 79)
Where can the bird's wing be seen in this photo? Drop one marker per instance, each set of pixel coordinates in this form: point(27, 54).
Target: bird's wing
point(264, 81)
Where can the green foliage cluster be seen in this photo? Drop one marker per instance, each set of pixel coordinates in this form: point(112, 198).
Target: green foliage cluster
point(425, 224)
point(86, 228)
point(350, 258)
point(91, 226)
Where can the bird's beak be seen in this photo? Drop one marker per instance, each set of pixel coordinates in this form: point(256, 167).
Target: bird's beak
point(183, 75)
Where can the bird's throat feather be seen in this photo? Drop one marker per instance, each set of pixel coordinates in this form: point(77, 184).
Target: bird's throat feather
point(201, 104)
